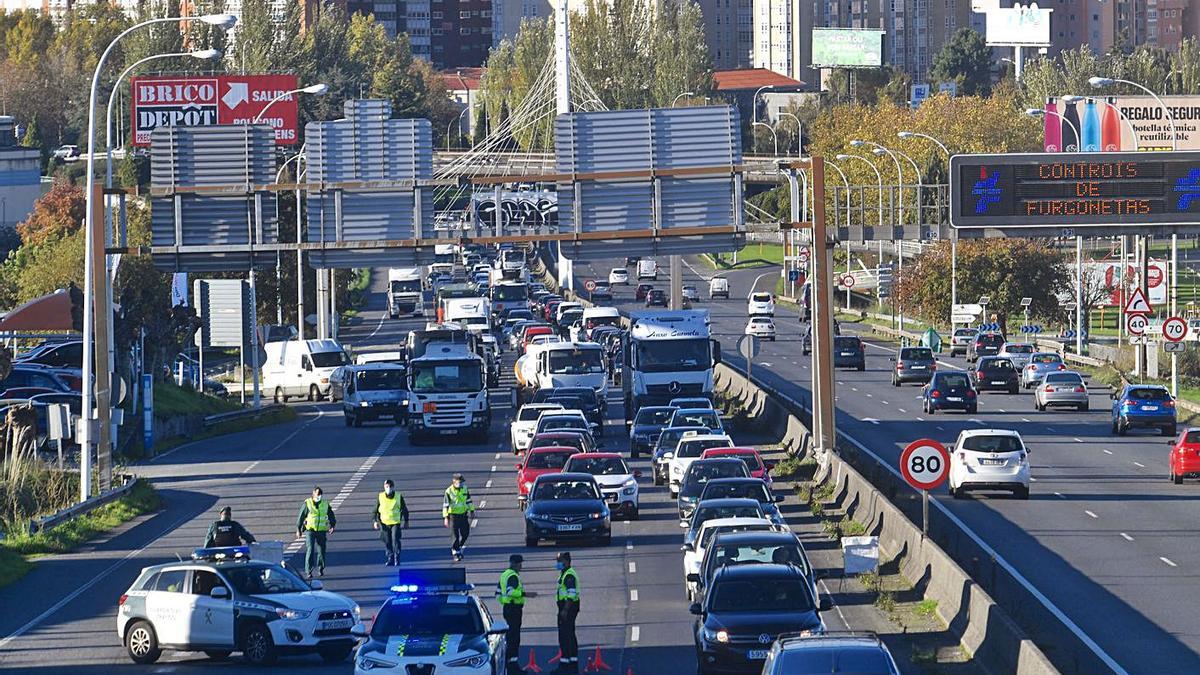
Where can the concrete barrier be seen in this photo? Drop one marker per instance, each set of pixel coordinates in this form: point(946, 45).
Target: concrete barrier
point(996, 642)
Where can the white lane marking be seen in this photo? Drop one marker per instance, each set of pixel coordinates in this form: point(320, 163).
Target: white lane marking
point(902, 410)
point(1050, 429)
point(941, 428)
point(381, 318)
point(1032, 479)
point(367, 465)
point(1059, 495)
point(497, 455)
point(493, 467)
point(920, 419)
point(474, 523)
point(629, 545)
point(1139, 464)
point(632, 567)
point(1108, 452)
point(250, 468)
point(320, 414)
point(633, 595)
point(635, 633)
point(975, 421)
point(869, 396)
point(835, 606)
point(1093, 515)
point(482, 503)
point(1078, 440)
point(487, 484)
point(86, 587)
point(1168, 561)
point(872, 420)
point(853, 388)
point(1126, 537)
point(884, 402)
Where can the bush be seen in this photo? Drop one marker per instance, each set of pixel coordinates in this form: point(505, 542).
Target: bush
point(29, 489)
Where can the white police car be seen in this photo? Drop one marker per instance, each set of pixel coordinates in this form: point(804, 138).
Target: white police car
point(432, 624)
point(221, 601)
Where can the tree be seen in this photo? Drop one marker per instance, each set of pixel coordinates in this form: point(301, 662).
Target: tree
point(966, 60)
point(1097, 288)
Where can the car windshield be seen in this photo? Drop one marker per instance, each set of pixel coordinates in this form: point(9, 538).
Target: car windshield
point(576, 361)
point(599, 466)
point(556, 422)
point(761, 595)
point(264, 580)
point(713, 512)
point(964, 332)
point(996, 364)
point(1019, 349)
point(916, 354)
point(1046, 358)
point(750, 459)
point(427, 615)
point(839, 659)
point(750, 554)
point(1064, 378)
point(570, 402)
point(991, 444)
point(389, 379)
point(406, 286)
point(548, 460)
point(699, 473)
point(530, 413)
point(689, 448)
point(669, 438)
point(760, 297)
point(707, 534)
point(845, 343)
point(509, 292)
point(574, 441)
point(446, 376)
point(755, 490)
point(667, 356)
point(953, 380)
point(519, 314)
point(653, 416)
point(566, 489)
point(991, 340)
point(1147, 394)
point(329, 359)
point(698, 418)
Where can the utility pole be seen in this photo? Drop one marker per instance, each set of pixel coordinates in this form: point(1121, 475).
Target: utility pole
point(562, 97)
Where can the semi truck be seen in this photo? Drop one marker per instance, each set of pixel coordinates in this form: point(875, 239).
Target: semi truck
point(667, 355)
point(404, 292)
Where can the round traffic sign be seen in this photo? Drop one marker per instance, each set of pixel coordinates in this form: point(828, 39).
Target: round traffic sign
point(590, 285)
point(1136, 323)
point(802, 256)
point(925, 464)
point(1174, 329)
point(748, 346)
point(848, 281)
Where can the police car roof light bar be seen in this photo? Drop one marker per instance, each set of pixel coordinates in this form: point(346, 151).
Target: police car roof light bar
point(222, 553)
point(432, 580)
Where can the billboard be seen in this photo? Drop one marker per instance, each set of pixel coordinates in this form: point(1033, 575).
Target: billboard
point(1109, 274)
point(209, 100)
point(847, 48)
point(1026, 26)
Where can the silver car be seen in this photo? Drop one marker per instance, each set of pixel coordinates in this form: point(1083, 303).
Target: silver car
point(1062, 388)
point(1040, 363)
point(1018, 353)
point(961, 341)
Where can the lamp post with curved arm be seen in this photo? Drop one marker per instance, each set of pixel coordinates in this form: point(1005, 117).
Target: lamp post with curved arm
point(899, 172)
point(799, 132)
point(681, 95)
point(907, 135)
point(314, 89)
point(1038, 112)
point(846, 183)
point(774, 136)
point(878, 177)
point(458, 121)
point(1109, 81)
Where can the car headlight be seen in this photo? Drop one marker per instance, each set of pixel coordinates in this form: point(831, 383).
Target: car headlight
point(364, 404)
point(369, 662)
point(292, 614)
point(630, 482)
point(528, 484)
point(721, 635)
point(668, 455)
point(357, 612)
point(473, 661)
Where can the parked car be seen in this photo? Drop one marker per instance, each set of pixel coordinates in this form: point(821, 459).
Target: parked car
point(989, 459)
point(949, 391)
point(1143, 405)
point(1061, 388)
point(914, 364)
point(993, 373)
point(566, 507)
point(67, 354)
point(33, 376)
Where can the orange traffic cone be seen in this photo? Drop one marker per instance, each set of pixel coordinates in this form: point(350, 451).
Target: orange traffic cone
point(532, 666)
point(596, 663)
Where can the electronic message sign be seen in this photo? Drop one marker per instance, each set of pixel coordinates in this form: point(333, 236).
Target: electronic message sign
point(1070, 190)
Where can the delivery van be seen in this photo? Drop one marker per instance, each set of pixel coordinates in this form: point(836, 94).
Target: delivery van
point(301, 368)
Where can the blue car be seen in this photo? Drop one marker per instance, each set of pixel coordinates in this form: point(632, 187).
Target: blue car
point(1143, 405)
point(949, 390)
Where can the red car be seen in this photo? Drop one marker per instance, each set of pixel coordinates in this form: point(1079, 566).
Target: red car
point(754, 461)
point(538, 461)
point(641, 291)
point(548, 309)
point(1185, 455)
point(534, 331)
point(563, 439)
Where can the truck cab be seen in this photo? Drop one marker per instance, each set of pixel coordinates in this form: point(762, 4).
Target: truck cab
point(470, 313)
point(405, 292)
point(507, 295)
point(667, 355)
point(448, 393)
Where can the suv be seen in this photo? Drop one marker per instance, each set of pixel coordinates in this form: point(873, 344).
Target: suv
point(221, 601)
point(989, 459)
point(1143, 405)
point(832, 652)
point(647, 425)
point(848, 352)
point(985, 344)
point(656, 298)
point(1019, 352)
point(961, 340)
point(915, 364)
point(760, 304)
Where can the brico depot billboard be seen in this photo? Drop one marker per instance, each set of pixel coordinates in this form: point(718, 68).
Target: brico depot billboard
point(206, 100)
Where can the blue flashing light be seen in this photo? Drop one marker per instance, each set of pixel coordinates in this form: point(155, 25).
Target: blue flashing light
point(222, 553)
point(427, 580)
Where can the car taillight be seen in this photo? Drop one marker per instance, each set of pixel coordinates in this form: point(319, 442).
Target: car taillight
point(1168, 404)
point(935, 393)
point(1062, 366)
point(900, 366)
point(1031, 367)
point(1049, 390)
point(1080, 390)
point(970, 393)
point(122, 599)
point(978, 345)
point(933, 366)
point(1127, 401)
point(979, 373)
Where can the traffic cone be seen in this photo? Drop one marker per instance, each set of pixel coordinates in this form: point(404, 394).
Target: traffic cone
point(532, 666)
point(596, 663)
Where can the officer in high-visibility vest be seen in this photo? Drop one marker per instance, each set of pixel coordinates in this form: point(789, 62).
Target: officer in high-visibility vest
point(456, 514)
point(390, 512)
point(315, 523)
point(568, 609)
point(512, 596)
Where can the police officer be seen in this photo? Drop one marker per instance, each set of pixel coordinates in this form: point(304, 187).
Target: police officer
point(456, 514)
point(225, 531)
point(512, 596)
point(568, 609)
point(315, 523)
point(390, 511)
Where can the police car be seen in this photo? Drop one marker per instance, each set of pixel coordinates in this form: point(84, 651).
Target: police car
point(221, 601)
point(432, 624)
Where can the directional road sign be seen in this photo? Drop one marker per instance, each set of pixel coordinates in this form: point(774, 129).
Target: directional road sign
point(1174, 329)
point(1137, 303)
point(972, 309)
point(962, 318)
point(925, 464)
point(1138, 340)
point(1136, 324)
point(1173, 347)
point(793, 275)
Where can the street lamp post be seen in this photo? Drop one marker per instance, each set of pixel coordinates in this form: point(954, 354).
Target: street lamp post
point(799, 132)
point(1038, 112)
point(899, 172)
point(879, 178)
point(681, 95)
point(907, 135)
point(314, 89)
point(457, 120)
point(1109, 81)
point(774, 136)
point(89, 299)
point(846, 183)
point(754, 108)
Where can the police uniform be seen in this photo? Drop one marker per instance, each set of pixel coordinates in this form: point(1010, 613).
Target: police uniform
point(227, 533)
point(315, 521)
point(390, 513)
point(568, 610)
point(457, 506)
point(511, 594)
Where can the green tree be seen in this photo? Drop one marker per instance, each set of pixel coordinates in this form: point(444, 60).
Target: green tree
point(966, 60)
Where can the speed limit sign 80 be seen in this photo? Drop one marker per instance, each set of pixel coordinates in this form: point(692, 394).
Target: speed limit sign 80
point(925, 464)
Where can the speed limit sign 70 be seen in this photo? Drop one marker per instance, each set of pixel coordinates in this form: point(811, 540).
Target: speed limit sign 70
point(1174, 329)
point(925, 464)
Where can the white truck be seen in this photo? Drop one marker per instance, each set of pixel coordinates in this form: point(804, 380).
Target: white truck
point(299, 368)
point(563, 364)
point(667, 355)
point(404, 292)
point(647, 269)
point(448, 393)
point(470, 313)
point(512, 263)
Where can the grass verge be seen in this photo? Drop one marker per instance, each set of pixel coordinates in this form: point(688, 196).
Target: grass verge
point(18, 548)
point(171, 400)
point(277, 416)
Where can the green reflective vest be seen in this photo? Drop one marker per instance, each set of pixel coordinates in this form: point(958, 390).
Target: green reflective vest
point(457, 501)
point(510, 593)
point(565, 593)
point(318, 515)
point(390, 511)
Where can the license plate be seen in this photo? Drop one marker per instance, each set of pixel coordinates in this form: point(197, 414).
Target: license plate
point(1065, 389)
point(954, 399)
point(337, 624)
point(612, 496)
point(847, 353)
point(1150, 407)
point(756, 654)
point(998, 382)
point(570, 528)
point(918, 367)
point(447, 432)
point(991, 462)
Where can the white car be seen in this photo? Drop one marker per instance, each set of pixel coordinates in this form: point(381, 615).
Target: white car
point(761, 304)
point(221, 601)
point(618, 483)
point(690, 293)
point(520, 432)
point(562, 420)
point(689, 450)
point(693, 553)
point(761, 327)
point(618, 275)
point(1018, 352)
point(989, 459)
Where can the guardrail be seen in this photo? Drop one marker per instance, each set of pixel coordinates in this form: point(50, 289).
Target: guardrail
point(218, 418)
point(72, 512)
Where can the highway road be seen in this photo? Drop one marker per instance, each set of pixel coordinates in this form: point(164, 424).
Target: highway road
point(1104, 535)
point(62, 616)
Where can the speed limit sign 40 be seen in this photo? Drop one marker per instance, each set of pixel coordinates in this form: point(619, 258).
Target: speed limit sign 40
point(925, 464)
point(1136, 323)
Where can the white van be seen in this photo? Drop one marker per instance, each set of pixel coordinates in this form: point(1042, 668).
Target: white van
point(594, 317)
point(718, 287)
point(468, 312)
point(372, 392)
point(300, 368)
point(647, 269)
point(378, 357)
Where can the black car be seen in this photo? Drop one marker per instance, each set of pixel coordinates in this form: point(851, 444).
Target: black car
point(646, 426)
point(914, 364)
point(745, 488)
point(566, 506)
point(949, 391)
point(710, 509)
point(745, 609)
point(631, 260)
point(67, 354)
point(583, 399)
point(664, 450)
point(849, 352)
point(33, 376)
point(656, 298)
point(738, 548)
point(697, 476)
point(996, 373)
point(985, 344)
